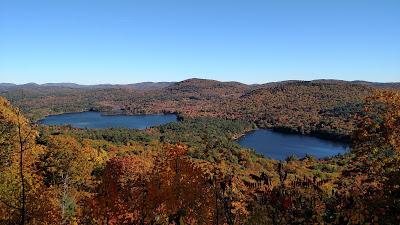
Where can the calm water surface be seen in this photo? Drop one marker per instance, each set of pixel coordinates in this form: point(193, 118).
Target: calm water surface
point(97, 120)
point(269, 143)
point(280, 145)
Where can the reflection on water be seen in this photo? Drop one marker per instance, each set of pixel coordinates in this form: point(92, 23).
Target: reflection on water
point(281, 145)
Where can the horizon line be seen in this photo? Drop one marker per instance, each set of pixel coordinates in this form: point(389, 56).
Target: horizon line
point(225, 81)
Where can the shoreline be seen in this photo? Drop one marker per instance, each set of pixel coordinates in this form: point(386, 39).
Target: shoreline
point(315, 135)
point(284, 130)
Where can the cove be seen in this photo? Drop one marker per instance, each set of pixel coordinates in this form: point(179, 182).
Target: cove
point(279, 146)
point(98, 120)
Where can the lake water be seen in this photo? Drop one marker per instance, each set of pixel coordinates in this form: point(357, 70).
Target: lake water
point(269, 143)
point(281, 145)
point(97, 120)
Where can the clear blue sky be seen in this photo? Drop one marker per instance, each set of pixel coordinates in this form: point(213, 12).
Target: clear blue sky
point(127, 41)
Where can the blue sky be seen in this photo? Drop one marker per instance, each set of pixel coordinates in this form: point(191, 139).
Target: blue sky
point(127, 41)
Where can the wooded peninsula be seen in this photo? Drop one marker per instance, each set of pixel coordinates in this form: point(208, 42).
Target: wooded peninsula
point(193, 171)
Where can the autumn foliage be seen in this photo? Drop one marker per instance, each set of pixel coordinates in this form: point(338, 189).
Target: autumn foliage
point(71, 176)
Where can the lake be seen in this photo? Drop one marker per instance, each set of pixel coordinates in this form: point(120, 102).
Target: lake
point(97, 120)
point(267, 142)
point(281, 145)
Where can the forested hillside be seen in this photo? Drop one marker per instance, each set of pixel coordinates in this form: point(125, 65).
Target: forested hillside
point(324, 108)
point(192, 172)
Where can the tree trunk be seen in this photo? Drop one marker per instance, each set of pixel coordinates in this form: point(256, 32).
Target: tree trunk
point(21, 174)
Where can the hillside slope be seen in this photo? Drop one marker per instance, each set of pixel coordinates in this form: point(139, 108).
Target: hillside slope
point(322, 107)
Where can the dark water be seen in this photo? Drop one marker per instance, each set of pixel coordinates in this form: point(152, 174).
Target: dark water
point(97, 120)
point(280, 145)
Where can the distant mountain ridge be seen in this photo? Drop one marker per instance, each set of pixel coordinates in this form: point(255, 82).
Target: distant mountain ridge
point(138, 86)
point(378, 84)
point(320, 107)
point(200, 83)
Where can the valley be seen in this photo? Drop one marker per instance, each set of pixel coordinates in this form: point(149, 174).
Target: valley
point(323, 108)
point(101, 149)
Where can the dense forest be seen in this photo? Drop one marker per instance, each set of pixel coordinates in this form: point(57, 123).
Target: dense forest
point(324, 108)
point(193, 172)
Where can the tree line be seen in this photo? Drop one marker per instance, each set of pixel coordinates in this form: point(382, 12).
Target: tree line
point(72, 176)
